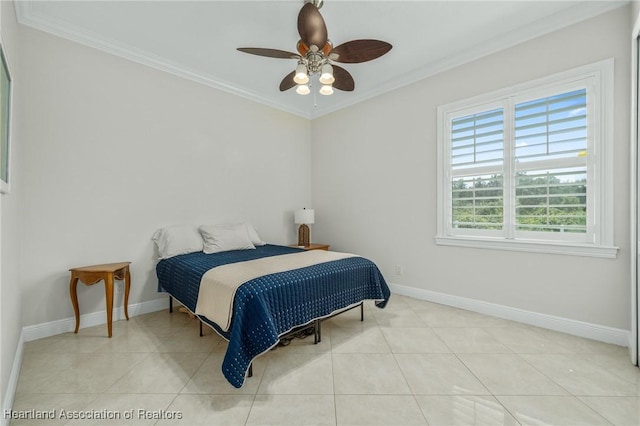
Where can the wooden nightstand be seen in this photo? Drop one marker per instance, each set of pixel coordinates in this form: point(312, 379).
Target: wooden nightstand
point(90, 275)
point(312, 246)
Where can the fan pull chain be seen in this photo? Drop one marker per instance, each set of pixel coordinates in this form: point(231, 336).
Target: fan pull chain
point(315, 103)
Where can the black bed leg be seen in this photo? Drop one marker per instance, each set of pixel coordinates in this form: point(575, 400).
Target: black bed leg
point(170, 304)
point(250, 374)
point(200, 322)
point(361, 311)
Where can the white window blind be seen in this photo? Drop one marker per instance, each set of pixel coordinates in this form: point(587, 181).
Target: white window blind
point(551, 163)
point(477, 140)
point(477, 151)
point(552, 201)
point(528, 166)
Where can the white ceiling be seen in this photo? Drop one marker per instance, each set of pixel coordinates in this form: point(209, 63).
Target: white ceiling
point(198, 39)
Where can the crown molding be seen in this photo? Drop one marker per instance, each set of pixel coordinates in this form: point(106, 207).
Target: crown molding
point(540, 28)
point(25, 16)
point(70, 32)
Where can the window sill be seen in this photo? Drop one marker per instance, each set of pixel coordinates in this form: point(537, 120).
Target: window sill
point(572, 249)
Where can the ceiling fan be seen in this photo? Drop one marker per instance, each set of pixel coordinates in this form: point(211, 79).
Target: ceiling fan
point(316, 54)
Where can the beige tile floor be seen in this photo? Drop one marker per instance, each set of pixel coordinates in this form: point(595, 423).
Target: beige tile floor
point(413, 363)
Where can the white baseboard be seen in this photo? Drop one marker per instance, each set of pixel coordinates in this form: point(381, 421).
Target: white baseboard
point(565, 325)
point(39, 331)
point(10, 392)
point(66, 325)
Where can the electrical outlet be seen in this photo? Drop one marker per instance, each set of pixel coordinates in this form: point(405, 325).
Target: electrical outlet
point(119, 286)
point(399, 269)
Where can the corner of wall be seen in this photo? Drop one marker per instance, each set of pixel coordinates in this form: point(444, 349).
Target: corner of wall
point(10, 289)
point(9, 394)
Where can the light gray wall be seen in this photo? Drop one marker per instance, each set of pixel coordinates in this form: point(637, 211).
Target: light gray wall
point(374, 184)
point(112, 150)
point(10, 291)
point(105, 151)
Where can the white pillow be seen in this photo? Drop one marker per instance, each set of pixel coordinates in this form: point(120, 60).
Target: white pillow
point(253, 235)
point(225, 237)
point(178, 239)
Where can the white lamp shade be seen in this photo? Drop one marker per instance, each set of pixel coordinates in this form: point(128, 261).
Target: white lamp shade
point(306, 216)
point(326, 76)
point(326, 90)
point(301, 76)
point(303, 89)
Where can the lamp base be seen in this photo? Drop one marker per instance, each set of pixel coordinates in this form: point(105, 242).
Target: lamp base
point(303, 236)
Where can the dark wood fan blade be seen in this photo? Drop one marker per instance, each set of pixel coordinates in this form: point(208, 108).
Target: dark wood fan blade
point(356, 51)
point(287, 82)
point(344, 81)
point(270, 53)
point(311, 26)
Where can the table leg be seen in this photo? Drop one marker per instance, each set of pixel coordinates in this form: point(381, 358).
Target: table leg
point(127, 287)
point(73, 287)
point(108, 288)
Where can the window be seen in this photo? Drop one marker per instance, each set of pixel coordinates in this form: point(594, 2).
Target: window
point(529, 168)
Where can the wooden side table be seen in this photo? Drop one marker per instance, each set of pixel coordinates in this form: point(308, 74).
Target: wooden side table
point(312, 246)
point(90, 275)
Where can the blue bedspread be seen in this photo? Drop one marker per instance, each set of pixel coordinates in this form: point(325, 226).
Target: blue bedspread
point(269, 306)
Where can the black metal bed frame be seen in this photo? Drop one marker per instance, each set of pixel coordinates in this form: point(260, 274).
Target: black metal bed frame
point(300, 332)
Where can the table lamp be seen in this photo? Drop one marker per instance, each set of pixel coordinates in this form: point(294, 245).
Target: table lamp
point(303, 218)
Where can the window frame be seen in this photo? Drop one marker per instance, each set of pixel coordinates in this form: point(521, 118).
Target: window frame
point(597, 78)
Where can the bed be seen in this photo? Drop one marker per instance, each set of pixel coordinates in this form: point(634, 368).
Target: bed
point(269, 306)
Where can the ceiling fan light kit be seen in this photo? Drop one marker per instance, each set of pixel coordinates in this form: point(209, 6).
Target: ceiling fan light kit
point(316, 52)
